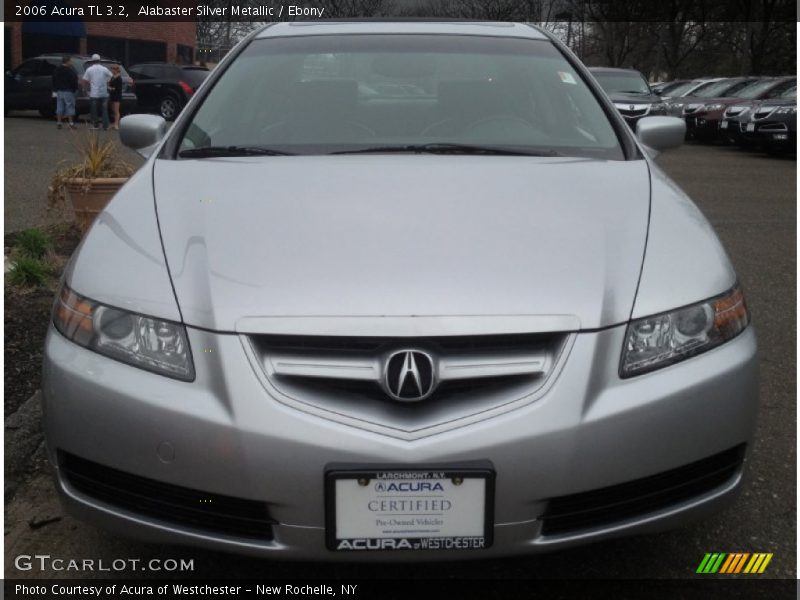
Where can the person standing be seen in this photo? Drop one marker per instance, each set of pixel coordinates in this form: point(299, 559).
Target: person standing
point(65, 84)
point(115, 93)
point(97, 76)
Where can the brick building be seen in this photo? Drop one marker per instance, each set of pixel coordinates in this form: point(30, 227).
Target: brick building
point(128, 42)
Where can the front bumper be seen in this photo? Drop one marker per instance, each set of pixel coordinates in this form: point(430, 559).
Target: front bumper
point(225, 434)
point(776, 135)
point(734, 131)
point(703, 126)
point(771, 134)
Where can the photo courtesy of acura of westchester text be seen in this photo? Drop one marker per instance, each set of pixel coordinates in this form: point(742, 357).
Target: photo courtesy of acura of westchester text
point(371, 288)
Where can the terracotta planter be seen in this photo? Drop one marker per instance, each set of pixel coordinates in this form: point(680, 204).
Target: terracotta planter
point(89, 196)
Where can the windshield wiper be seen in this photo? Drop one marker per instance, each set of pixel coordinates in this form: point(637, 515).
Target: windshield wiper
point(448, 148)
point(211, 151)
point(640, 92)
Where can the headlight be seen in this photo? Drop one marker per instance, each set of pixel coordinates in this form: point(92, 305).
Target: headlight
point(712, 107)
point(144, 342)
point(658, 109)
point(661, 340)
point(785, 110)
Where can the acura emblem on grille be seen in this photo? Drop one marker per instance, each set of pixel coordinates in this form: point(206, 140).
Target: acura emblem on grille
point(409, 375)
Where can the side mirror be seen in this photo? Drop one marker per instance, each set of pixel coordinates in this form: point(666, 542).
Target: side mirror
point(661, 133)
point(142, 132)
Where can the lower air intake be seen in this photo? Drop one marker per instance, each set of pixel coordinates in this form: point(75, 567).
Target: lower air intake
point(606, 506)
point(169, 503)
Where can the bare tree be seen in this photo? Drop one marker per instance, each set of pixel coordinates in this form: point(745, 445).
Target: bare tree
point(768, 35)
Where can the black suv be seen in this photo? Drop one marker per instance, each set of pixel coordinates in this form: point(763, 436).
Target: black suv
point(630, 93)
point(166, 88)
point(30, 85)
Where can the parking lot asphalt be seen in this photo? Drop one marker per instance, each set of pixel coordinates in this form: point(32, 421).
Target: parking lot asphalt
point(751, 201)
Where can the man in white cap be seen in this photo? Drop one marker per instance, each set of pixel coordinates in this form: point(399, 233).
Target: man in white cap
point(97, 76)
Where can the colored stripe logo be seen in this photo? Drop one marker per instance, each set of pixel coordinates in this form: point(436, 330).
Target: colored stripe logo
point(735, 562)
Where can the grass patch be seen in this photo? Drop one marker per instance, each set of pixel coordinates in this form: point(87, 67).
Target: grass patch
point(28, 272)
point(33, 243)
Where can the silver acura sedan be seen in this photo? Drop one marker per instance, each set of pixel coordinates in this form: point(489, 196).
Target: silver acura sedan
point(398, 290)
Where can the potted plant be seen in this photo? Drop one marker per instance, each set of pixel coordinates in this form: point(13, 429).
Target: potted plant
point(90, 184)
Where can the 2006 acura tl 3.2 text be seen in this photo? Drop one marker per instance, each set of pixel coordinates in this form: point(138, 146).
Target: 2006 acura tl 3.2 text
point(398, 289)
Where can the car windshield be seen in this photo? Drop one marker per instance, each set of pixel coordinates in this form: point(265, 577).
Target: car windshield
point(362, 93)
point(622, 83)
point(755, 90)
point(715, 90)
point(700, 89)
point(790, 93)
point(681, 89)
point(668, 87)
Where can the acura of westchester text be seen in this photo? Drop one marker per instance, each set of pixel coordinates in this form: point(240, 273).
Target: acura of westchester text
point(399, 290)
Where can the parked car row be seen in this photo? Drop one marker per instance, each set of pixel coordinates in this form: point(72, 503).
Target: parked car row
point(749, 111)
point(771, 124)
point(743, 110)
point(149, 87)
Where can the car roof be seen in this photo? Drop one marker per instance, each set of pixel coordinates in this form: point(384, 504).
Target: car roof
point(398, 26)
point(78, 56)
point(167, 64)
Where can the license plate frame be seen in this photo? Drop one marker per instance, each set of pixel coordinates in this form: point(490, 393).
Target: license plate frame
point(445, 474)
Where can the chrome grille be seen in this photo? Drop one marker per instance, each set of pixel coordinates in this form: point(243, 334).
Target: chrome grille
point(632, 110)
point(734, 110)
point(350, 360)
point(763, 112)
point(347, 375)
point(690, 109)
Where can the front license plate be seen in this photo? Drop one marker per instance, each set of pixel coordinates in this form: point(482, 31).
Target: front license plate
point(409, 509)
point(723, 125)
point(751, 127)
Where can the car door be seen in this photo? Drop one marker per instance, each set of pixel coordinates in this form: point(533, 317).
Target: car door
point(41, 86)
point(19, 85)
point(143, 76)
point(161, 83)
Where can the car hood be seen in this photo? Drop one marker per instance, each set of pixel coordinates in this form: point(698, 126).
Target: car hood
point(635, 98)
point(257, 242)
point(726, 100)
